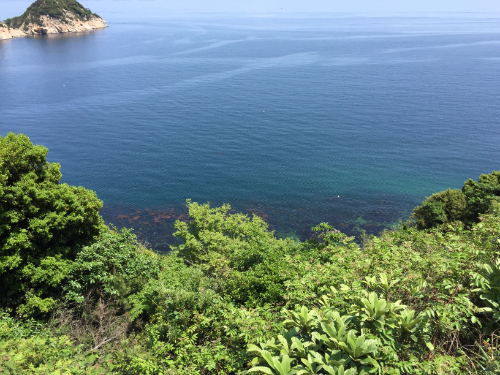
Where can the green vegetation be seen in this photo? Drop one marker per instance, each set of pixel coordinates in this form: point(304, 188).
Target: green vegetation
point(58, 9)
point(43, 225)
point(464, 205)
point(232, 298)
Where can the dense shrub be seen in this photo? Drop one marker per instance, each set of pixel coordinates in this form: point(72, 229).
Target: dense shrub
point(480, 195)
point(436, 280)
point(236, 250)
point(114, 265)
point(467, 205)
point(443, 207)
point(29, 347)
point(368, 334)
point(42, 225)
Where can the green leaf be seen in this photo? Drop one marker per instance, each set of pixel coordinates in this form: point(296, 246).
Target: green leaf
point(261, 370)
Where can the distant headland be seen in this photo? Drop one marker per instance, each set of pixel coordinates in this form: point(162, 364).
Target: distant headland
point(51, 17)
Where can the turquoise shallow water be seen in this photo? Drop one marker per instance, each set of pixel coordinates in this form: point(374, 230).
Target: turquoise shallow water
point(277, 116)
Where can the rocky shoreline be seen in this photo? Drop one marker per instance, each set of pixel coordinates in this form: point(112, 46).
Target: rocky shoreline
point(51, 26)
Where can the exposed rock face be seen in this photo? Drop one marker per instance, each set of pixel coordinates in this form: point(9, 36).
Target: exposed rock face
point(8, 33)
point(52, 26)
point(51, 17)
point(55, 26)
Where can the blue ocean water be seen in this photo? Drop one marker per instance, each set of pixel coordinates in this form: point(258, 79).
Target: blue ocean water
point(277, 116)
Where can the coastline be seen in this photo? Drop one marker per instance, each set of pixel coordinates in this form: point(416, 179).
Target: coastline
point(52, 26)
point(154, 223)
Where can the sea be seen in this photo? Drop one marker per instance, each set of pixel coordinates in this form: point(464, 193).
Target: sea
point(298, 118)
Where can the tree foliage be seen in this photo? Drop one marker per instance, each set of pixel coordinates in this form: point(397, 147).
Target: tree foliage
point(115, 264)
point(475, 198)
point(443, 207)
point(481, 194)
point(42, 225)
point(236, 249)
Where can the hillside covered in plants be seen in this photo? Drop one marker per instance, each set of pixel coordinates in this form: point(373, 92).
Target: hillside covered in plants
point(79, 297)
point(52, 17)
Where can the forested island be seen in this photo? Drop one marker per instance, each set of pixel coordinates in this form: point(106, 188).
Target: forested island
point(51, 17)
point(79, 297)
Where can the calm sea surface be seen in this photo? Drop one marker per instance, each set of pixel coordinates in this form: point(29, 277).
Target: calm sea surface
point(276, 116)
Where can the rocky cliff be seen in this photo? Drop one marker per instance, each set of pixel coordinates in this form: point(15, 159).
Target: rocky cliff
point(51, 17)
point(8, 33)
